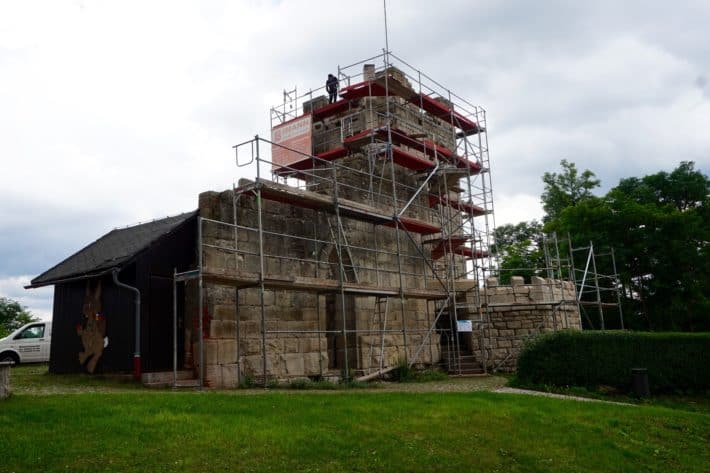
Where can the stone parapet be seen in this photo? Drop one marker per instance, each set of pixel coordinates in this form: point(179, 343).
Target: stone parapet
point(509, 315)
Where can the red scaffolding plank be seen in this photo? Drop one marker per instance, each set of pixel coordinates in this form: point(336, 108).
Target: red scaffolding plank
point(470, 253)
point(362, 89)
point(333, 154)
point(398, 137)
point(457, 243)
point(364, 137)
point(473, 210)
point(403, 158)
point(426, 146)
point(409, 160)
point(440, 150)
point(430, 105)
point(444, 244)
point(330, 109)
point(446, 113)
point(452, 157)
point(415, 226)
point(309, 163)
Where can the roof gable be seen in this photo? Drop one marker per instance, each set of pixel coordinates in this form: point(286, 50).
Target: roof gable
point(113, 250)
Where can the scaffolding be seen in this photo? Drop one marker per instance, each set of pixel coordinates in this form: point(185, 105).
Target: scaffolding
point(395, 219)
point(597, 292)
point(403, 158)
point(570, 278)
point(394, 187)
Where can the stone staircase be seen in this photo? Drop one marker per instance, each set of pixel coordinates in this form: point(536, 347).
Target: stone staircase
point(465, 364)
point(164, 379)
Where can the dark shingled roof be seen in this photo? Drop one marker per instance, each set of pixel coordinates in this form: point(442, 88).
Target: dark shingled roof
point(113, 250)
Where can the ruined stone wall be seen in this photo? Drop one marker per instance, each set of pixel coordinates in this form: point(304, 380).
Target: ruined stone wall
point(515, 313)
point(299, 242)
point(371, 112)
point(294, 346)
point(232, 330)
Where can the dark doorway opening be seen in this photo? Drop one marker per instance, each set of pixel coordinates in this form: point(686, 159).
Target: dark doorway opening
point(336, 341)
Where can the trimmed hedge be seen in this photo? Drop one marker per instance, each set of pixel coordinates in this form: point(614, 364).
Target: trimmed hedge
point(675, 361)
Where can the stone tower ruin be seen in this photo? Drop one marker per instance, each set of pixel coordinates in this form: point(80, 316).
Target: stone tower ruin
point(362, 242)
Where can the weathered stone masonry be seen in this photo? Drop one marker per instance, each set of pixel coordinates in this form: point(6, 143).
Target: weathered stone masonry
point(304, 329)
point(299, 353)
point(517, 312)
point(512, 313)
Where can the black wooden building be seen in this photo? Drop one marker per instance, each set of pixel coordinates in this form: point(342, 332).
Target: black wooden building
point(145, 257)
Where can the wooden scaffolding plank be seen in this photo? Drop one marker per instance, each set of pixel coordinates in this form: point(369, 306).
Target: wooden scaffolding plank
point(347, 208)
point(243, 279)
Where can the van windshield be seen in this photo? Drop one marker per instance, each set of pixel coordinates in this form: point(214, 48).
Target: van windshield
point(36, 331)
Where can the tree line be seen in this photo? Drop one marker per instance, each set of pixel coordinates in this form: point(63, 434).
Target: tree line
point(658, 226)
point(13, 316)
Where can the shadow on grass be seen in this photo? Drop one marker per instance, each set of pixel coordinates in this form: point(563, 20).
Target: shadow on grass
point(687, 401)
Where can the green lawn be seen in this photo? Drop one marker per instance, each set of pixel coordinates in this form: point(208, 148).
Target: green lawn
point(344, 431)
point(36, 379)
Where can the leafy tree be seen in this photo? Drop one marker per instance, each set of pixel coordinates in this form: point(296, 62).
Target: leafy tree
point(566, 189)
point(13, 316)
point(520, 249)
point(658, 225)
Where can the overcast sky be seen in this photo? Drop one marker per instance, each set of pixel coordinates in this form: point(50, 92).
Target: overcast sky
point(115, 112)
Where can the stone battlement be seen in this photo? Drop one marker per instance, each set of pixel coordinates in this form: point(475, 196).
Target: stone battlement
point(505, 316)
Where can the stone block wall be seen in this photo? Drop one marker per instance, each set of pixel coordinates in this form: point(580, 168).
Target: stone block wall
point(304, 330)
point(293, 319)
point(515, 313)
point(296, 343)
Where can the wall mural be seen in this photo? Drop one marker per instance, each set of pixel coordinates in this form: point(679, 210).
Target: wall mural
point(92, 330)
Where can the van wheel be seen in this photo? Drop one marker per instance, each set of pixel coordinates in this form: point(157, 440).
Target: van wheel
point(9, 357)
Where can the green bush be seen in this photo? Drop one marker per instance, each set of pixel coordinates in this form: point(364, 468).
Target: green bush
point(675, 361)
point(403, 372)
point(300, 383)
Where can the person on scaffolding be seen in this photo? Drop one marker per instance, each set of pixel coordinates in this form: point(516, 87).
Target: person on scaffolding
point(331, 86)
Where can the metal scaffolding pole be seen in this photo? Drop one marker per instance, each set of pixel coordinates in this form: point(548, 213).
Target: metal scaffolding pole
point(616, 282)
point(200, 303)
point(596, 284)
point(402, 194)
point(388, 121)
point(261, 266)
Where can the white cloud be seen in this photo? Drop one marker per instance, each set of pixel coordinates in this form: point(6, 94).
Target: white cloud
point(39, 301)
point(117, 112)
point(514, 208)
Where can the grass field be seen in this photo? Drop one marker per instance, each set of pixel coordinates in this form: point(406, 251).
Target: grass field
point(139, 430)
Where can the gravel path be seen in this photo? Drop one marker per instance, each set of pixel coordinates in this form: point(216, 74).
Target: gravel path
point(451, 385)
point(507, 390)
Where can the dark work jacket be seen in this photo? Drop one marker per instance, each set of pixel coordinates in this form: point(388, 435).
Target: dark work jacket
point(331, 85)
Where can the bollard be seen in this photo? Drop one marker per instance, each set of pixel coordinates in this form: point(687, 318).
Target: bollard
point(5, 379)
point(640, 380)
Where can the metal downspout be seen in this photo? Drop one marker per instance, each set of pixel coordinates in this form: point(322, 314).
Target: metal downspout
point(137, 352)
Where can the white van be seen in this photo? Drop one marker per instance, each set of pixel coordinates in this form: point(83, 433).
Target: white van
point(28, 344)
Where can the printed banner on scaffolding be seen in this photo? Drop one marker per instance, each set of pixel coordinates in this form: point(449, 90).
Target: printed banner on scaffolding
point(292, 141)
